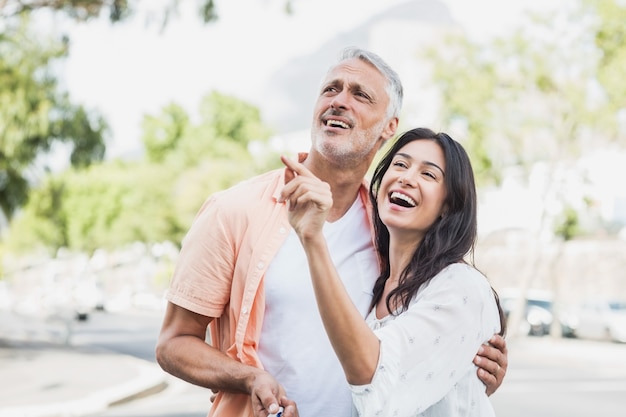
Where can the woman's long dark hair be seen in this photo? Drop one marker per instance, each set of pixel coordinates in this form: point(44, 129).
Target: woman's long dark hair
point(451, 239)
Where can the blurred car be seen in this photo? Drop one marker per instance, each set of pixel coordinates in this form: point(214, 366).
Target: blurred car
point(538, 313)
point(602, 320)
point(86, 297)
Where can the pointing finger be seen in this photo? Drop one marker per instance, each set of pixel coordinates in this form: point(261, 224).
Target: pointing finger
point(296, 167)
point(289, 175)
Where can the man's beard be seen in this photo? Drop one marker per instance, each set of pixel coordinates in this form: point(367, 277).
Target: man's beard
point(350, 151)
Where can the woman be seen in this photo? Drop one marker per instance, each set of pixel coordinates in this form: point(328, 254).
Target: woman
point(431, 309)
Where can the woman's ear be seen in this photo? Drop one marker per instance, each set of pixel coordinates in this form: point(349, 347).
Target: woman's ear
point(444, 212)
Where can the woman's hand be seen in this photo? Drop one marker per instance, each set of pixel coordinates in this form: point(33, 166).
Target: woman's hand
point(309, 199)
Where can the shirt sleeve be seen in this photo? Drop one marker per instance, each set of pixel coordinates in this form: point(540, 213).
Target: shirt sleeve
point(428, 348)
point(203, 275)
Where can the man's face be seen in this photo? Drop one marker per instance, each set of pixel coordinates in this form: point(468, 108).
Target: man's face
point(350, 117)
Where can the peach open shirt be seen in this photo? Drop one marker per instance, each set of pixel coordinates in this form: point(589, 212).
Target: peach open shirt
point(221, 266)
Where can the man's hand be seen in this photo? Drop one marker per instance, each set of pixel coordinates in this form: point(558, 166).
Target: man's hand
point(492, 361)
point(260, 390)
point(267, 395)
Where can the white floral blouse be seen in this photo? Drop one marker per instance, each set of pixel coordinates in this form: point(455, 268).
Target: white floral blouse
point(425, 366)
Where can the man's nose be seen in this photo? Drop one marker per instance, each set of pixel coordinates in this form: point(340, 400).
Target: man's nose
point(340, 101)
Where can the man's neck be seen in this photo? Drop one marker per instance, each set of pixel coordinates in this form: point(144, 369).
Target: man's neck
point(344, 180)
point(343, 199)
point(344, 186)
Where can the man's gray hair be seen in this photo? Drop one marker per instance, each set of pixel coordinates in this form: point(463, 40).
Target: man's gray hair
point(394, 85)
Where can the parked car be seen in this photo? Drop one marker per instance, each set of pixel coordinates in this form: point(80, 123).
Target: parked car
point(538, 314)
point(602, 320)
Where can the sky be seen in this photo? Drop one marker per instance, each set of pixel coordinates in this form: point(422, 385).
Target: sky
point(127, 70)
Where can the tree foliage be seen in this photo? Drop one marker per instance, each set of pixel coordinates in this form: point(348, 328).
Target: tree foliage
point(214, 153)
point(155, 200)
point(101, 206)
point(115, 10)
point(543, 85)
point(545, 94)
point(81, 10)
point(519, 100)
point(610, 38)
point(226, 128)
point(161, 133)
point(35, 113)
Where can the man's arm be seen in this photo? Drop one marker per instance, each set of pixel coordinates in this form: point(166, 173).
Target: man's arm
point(181, 351)
point(492, 361)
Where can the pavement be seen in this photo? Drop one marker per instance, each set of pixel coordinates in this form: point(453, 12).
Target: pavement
point(40, 379)
point(42, 374)
point(51, 379)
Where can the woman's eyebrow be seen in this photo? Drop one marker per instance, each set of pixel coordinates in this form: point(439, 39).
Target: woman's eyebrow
point(432, 164)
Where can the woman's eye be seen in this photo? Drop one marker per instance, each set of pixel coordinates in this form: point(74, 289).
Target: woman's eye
point(430, 174)
point(399, 164)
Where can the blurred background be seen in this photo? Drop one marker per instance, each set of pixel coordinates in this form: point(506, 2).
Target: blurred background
point(119, 117)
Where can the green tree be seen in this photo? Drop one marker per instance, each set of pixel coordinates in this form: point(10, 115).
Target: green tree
point(534, 97)
point(117, 10)
point(520, 99)
point(525, 98)
point(610, 38)
point(227, 127)
point(161, 133)
point(103, 206)
point(81, 10)
point(216, 153)
point(116, 203)
point(35, 113)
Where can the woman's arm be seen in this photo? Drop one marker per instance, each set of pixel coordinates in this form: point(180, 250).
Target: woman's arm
point(355, 344)
point(427, 351)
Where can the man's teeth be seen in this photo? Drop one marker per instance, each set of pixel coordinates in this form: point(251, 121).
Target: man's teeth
point(336, 123)
point(402, 199)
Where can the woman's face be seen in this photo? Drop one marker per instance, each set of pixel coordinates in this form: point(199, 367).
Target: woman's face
point(412, 191)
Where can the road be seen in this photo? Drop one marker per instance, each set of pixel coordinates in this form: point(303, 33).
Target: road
point(546, 377)
point(134, 333)
point(565, 377)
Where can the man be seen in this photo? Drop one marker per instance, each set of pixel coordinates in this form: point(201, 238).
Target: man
point(242, 269)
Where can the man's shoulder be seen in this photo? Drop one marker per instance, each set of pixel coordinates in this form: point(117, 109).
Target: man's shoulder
point(240, 204)
point(253, 187)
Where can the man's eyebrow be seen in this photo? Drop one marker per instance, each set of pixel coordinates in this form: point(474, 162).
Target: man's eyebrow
point(429, 163)
point(355, 86)
point(334, 81)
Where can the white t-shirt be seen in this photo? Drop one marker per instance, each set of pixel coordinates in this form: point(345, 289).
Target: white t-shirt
point(293, 346)
point(425, 367)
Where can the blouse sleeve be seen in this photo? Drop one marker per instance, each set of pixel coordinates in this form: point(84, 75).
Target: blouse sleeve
point(428, 348)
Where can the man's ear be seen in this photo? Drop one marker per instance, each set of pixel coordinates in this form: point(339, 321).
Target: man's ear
point(390, 129)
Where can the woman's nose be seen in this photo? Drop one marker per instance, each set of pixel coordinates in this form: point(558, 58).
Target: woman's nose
point(406, 180)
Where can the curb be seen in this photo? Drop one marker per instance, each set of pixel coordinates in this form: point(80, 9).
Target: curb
point(150, 380)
